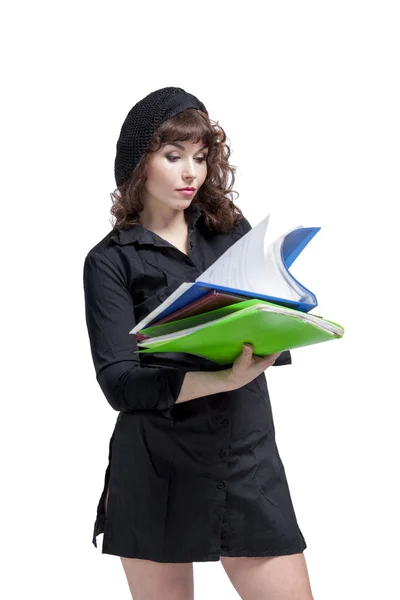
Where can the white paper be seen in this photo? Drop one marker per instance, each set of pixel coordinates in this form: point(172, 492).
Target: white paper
point(254, 264)
point(242, 265)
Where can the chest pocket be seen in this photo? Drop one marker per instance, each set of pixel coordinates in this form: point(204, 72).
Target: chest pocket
point(148, 295)
point(157, 273)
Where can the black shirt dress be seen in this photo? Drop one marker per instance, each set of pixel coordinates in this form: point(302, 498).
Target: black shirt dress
point(191, 481)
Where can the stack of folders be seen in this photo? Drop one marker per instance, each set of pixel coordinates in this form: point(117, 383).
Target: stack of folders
point(247, 295)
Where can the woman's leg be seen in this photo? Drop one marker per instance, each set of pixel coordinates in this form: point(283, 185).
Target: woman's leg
point(149, 580)
point(269, 577)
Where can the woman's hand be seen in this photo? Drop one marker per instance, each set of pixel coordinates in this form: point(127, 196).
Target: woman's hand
point(247, 367)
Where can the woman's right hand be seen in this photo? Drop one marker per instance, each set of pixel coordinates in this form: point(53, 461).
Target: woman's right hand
point(247, 367)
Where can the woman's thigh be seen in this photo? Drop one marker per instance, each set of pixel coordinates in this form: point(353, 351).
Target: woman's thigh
point(149, 580)
point(269, 577)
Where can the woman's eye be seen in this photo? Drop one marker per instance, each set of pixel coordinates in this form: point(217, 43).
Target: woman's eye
point(175, 158)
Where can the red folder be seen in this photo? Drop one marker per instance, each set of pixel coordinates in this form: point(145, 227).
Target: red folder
point(206, 303)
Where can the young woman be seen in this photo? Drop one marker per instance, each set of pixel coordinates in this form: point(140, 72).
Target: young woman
point(194, 472)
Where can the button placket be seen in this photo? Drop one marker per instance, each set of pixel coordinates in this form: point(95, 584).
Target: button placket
point(222, 453)
point(222, 485)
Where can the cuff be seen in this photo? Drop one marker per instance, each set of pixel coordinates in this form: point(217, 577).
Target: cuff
point(172, 380)
point(284, 359)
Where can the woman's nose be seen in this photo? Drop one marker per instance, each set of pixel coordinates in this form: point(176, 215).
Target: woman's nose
point(189, 169)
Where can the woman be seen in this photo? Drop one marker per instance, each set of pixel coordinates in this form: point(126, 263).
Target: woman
point(194, 473)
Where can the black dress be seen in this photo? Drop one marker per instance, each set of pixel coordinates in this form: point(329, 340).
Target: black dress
point(191, 481)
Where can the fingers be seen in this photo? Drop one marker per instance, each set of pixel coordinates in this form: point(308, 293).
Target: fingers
point(248, 351)
point(271, 358)
point(247, 366)
point(275, 355)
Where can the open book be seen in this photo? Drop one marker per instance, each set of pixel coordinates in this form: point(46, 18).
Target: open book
point(255, 266)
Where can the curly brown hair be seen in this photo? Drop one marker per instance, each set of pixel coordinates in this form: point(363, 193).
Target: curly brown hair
point(220, 213)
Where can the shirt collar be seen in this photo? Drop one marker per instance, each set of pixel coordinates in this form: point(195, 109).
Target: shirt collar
point(139, 233)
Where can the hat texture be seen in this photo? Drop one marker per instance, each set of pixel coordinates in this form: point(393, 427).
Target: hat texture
point(143, 120)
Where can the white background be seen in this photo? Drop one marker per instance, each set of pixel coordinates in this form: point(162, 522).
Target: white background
point(308, 94)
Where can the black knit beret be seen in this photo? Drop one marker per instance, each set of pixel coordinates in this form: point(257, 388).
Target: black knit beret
point(143, 120)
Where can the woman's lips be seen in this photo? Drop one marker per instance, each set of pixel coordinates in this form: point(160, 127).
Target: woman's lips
point(186, 192)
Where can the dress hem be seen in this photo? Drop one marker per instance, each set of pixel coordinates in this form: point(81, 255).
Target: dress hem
point(281, 551)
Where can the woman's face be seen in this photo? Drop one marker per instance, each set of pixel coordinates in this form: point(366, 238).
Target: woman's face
point(175, 165)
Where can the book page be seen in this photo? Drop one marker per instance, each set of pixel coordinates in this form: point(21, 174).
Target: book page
point(277, 277)
point(253, 264)
point(242, 266)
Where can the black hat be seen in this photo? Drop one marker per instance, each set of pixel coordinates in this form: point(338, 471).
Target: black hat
point(143, 120)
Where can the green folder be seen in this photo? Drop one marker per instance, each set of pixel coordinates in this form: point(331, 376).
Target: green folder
point(219, 335)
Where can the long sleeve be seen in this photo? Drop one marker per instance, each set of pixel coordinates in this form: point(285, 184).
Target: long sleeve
point(125, 382)
point(285, 357)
